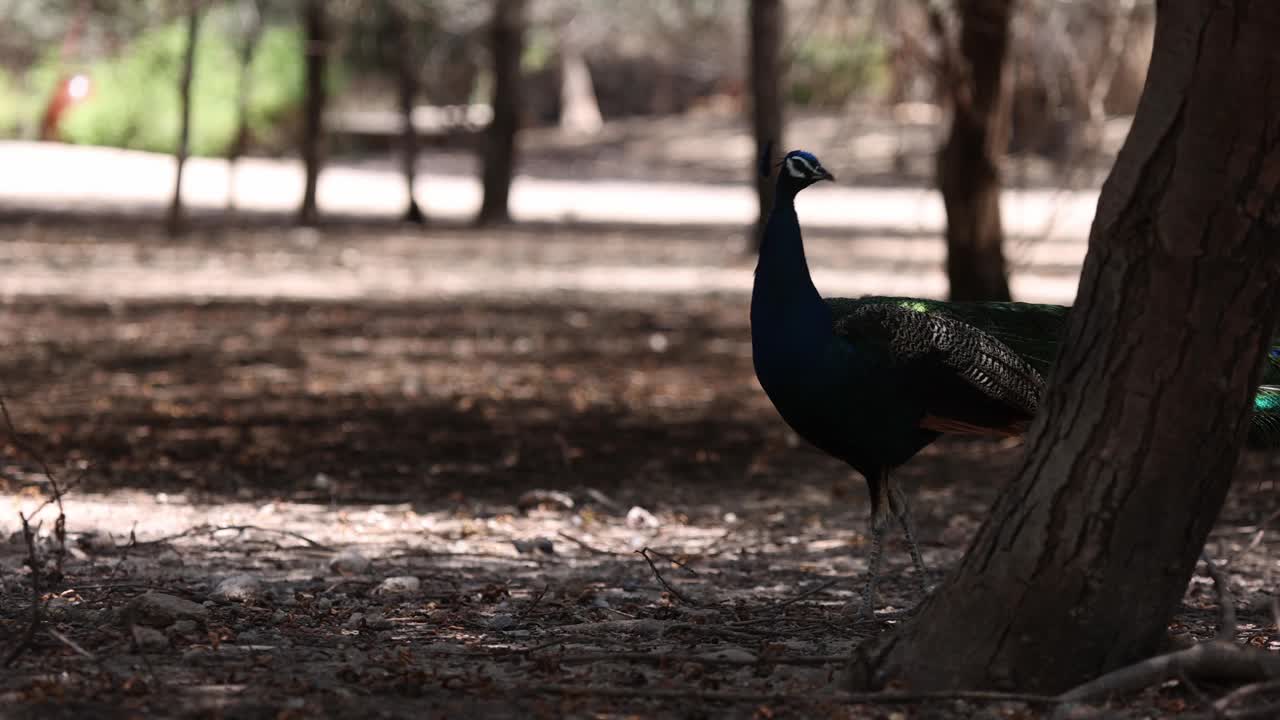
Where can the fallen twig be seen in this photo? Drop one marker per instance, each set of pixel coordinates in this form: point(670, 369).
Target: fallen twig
point(212, 530)
point(71, 644)
point(60, 523)
point(533, 605)
point(658, 627)
point(644, 553)
point(801, 596)
point(585, 545)
point(707, 659)
point(36, 604)
point(805, 697)
point(1227, 603)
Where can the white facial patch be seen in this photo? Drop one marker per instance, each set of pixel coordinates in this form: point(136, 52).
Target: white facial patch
point(798, 167)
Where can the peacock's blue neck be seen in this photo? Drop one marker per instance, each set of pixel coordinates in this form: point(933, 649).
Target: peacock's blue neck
point(782, 274)
point(790, 323)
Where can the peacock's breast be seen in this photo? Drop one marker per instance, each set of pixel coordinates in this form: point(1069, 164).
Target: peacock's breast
point(846, 403)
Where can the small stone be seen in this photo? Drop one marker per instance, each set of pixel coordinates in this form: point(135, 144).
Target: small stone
point(349, 562)
point(149, 639)
point(159, 610)
point(169, 558)
point(253, 636)
point(502, 622)
point(185, 627)
point(638, 518)
point(376, 621)
point(354, 621)
point(238, 588)
point(398, 585)
point(543, 545)
point(544, 498)
point(279, 616)
point(324, 604)
point(733, 654)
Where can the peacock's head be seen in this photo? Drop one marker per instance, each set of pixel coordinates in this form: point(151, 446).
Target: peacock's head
point(801, 169)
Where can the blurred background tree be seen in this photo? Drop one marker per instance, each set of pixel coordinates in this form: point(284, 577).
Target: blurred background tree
point(403, 75)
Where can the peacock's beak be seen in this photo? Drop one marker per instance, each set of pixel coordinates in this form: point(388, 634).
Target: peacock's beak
point(826, 175)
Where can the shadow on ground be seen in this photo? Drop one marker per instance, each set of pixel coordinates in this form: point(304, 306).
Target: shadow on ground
point(337, 502)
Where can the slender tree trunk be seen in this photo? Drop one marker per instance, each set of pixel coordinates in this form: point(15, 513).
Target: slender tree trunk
point(1084, 558)
point(175, 220)
point(317, 39)
point(969, 162)
point(407, 91)
point(251, 17)
point(579, 109)
point(766, 98)
point(506, 43)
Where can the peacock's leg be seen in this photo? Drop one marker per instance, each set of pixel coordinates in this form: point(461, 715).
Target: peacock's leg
point(898, 505)
point(878, 484)
point(878, 522)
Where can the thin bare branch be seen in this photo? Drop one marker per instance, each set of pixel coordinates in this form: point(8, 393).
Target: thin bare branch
point(213, 530)
point(1227, 630)
point(37, 605)
point(644, 553)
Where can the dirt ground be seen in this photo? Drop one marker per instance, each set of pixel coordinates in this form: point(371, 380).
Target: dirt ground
point(483, 504)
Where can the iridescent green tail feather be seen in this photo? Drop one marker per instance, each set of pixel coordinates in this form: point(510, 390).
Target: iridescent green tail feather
point(1264, 428)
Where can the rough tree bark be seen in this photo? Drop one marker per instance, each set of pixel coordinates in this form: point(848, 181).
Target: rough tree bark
point(766, 98)
point(968, 163)
point(506, 44)
point(251, 26)
point(1086, 555)
point(316, 25)
point(175, 220)
point(407, 92)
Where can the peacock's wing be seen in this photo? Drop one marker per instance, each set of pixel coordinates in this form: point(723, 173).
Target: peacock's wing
point(981, 366)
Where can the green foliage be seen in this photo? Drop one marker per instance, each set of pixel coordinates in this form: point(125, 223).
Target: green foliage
point(11, 104)
point(539, 50)
point(829, 71)
point(136, 104)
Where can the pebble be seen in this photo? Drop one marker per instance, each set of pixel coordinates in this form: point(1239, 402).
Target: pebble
point(149, 639)
point(159, 610)
point(398, 585)
point(238, 588)
point(639, 518)
point(543, 545)
point(350, 562)
point(502, 622)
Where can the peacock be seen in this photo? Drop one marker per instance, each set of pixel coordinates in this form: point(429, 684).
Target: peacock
point(873, 380)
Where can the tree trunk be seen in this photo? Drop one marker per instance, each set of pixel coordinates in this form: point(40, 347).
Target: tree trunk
point(251, 26)
point(1086, 555)
point(506, 43)
point(317, 48)
point(407, 91)
point(968, 164)
point(766, 99)
point(579, 109)
point(175, 218)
